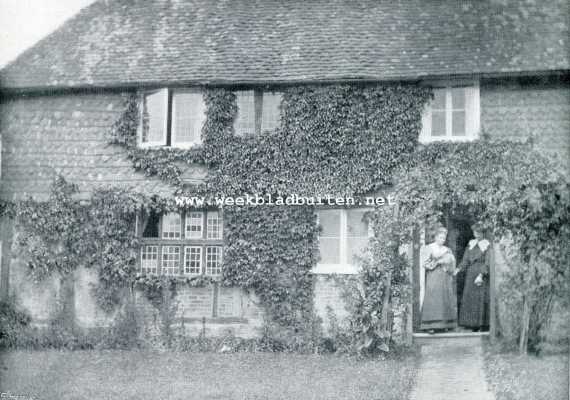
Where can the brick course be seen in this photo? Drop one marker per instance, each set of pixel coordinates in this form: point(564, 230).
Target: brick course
point(515, 110)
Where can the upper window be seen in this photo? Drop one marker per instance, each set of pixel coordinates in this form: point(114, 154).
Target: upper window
point(172, 118)
point(258, 112)
point(344, 236)
point(189, 243)
point(453, 115)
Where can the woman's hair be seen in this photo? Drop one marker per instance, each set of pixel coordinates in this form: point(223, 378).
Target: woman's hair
point(478, 226)
point(440, 230)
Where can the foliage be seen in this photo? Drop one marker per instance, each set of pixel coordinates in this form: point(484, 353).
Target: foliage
point(336, 139)
point(62, 234)
point(516, 191)
point(272, 251)
point(13, 322)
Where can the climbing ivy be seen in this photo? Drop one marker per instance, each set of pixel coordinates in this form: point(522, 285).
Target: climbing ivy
point(338, 140)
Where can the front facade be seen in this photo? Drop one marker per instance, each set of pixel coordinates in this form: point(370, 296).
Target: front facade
point(496, 69)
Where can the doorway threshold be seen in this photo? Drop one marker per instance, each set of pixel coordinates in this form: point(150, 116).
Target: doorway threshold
point(449, 334)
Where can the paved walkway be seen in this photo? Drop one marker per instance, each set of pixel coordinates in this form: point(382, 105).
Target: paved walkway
point(452, 369)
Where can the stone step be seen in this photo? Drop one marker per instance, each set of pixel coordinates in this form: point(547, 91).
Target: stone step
point(449, 338)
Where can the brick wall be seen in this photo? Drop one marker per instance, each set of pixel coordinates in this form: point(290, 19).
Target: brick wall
point(328, 293)
point(237, 312)
point(515, 109)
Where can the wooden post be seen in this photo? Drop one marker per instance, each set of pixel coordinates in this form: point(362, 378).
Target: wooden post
point(493, 305)
point(416, 279)
point(6, 232)
point(523, 341)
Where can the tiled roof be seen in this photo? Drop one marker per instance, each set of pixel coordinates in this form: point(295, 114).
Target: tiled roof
point(133, 42)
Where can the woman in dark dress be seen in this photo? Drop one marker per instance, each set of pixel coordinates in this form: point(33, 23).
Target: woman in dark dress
point(439, 306)
point(474, 310)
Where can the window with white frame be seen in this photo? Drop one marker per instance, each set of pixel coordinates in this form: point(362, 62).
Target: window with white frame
point(194, 225)
point(214, 226)
point(258, 111)
point(149, 260)
point(192, 260)
point(344, 236)
point(188, 243)
point(213, 260)
point(172, 118)
point(453, 114)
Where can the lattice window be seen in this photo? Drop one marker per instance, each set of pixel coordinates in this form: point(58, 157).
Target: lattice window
point(214, 225)
point(213, 260)
point(193, 260)
point(170, 260)
point(149, 260)
point(171, 226)
point(194, 225)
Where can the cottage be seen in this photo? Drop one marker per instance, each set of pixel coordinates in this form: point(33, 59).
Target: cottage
point(168, 72)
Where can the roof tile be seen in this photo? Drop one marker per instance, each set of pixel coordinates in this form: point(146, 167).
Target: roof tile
point(148, 42)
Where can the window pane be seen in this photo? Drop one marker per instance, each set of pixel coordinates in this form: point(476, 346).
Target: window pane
point(329, 237)
point(213, 260)
point(170, 260)
point(154, 117)
point(271, 114)
point(458, 123)
point(194, 222)
point(149, 260)
point(329, 220)
point(188, 119)
point(193, 260)
point(171, 226)
point(245, 119)
point(356, 232)
point(214, 225)
point(329, 249)
point(439, 99)
point(357, 223)
point(458, 98)
point(438, 123)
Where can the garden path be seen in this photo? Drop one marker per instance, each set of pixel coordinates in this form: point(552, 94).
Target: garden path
point(451, 368)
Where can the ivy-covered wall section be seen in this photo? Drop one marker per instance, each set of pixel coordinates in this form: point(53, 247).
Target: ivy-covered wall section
point(340, 140)
point(336, 140)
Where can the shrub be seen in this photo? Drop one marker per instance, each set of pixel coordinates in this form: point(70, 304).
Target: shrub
point(14, 324)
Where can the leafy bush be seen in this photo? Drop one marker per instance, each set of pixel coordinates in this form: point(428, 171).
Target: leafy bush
point(14, 323)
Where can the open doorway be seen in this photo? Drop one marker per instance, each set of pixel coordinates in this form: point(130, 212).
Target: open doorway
point(458, 237)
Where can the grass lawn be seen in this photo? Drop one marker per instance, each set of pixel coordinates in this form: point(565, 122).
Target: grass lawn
point(152, 375)
point(515, 377)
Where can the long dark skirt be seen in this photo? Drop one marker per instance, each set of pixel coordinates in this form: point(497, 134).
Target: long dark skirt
point(439, 309)
point(474, 311)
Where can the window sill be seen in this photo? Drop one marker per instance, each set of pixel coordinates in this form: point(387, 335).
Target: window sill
point(447, 139)
point(214, 320)
point(346, 269)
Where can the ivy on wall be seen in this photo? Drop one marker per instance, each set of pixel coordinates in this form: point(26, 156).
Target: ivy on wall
point(333, 140)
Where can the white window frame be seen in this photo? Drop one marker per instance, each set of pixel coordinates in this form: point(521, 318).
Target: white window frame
point(183, 242)
point(259, 110)
point(472, 113)
point(202, 119)
point(240, 117)
point(168, 269)
point(164, 93)
point(218, 225)
point(187, 254)
point(145, 268)
point(188, 223)
point(220, 253)
point(344, 267)
point(164, 222)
